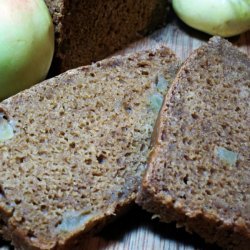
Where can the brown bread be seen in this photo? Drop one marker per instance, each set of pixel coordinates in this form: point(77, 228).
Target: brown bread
point(199, 169)
point(87, 31)
point(79, 148)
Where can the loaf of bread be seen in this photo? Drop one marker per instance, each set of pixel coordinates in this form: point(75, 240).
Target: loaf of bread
point(73, 148)
point(87, 31)
point(199, 169)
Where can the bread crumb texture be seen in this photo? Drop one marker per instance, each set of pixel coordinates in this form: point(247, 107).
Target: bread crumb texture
point(78, 149)
point(199, 169)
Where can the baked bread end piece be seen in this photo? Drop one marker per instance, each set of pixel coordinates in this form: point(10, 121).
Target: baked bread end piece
point(88, 31)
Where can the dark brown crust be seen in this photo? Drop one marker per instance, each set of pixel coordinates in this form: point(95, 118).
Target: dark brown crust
point(88, 31)
point(209, 226)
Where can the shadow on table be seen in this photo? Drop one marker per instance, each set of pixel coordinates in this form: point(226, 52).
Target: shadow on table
point(138, 231)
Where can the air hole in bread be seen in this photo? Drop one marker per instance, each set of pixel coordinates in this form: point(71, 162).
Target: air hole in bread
point(101, 158)
point(17, 201)
point(124, 129)
point(3, 114)
point(41, 98)
point(185, 179)
point(194, 116)
point(144, 72)
point(142, 64)
point(208, 192)
point(2, 193)
point(62, 133)
point(209, 81)
point(119, 161)
point(43, 208)
point(187, 141)
point(72, 145)
point(163, 135)
point(20, 159)
point(129, 109)
point(42, 140)
point(31, 235)
point(142, 147)
point(88, 161)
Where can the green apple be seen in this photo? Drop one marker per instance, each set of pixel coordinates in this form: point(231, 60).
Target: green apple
point(26, 44)
point(216, 17)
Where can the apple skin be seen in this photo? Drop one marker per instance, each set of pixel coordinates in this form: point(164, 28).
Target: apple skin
point(216, 17)
point(26, 44)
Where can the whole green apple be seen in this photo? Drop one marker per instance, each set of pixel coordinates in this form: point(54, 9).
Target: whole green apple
point(26, 44)
point(216, 17)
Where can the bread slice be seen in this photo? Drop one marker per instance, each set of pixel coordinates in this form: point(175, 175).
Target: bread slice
point(73, 148)
point(199, 169)
point(88, 31)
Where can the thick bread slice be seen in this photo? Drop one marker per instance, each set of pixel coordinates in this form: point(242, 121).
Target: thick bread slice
point(87, 31)
point(79, 147)
point(199, 169)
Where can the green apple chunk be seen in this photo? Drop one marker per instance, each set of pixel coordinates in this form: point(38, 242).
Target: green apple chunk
point(26, 44)
point(216, 17)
